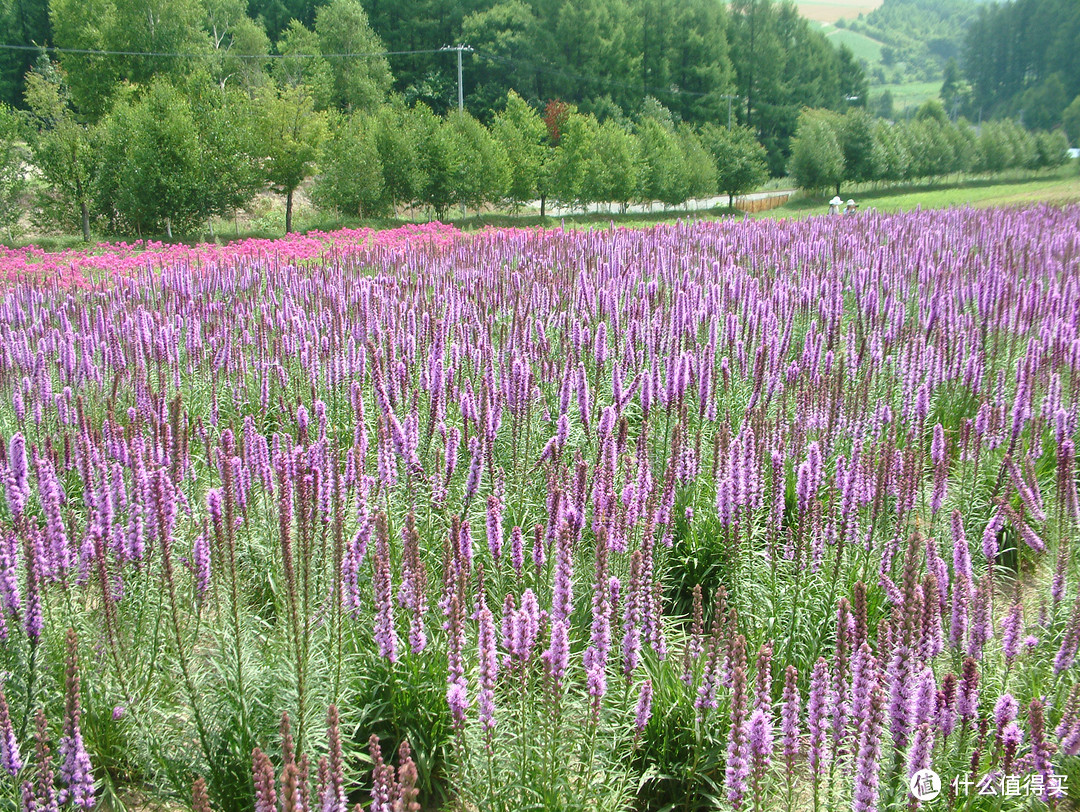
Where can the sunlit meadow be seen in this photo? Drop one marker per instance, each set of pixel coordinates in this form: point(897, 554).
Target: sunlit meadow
point(730, 515)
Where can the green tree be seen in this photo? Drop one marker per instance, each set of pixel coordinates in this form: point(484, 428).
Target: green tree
point(521, 132)
point(289, 133)
point(438, 160)
point(700, 168)
point(861, 156)
point(300, 65)
point(238, 42)
point(817, 156)
point(571, 158)
point(361, 76)
point(12, 170)
point(610, 173)
point(62, 149)
point(350, 179)
point(481, 170)
point(161, 181)
point(663, 173)
point(740, 160)
point(87, 25)
point(1071, 121)
point(397, 142)
point(1051, 147)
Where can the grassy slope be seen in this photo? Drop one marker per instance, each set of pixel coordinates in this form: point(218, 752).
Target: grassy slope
point(1058, 188)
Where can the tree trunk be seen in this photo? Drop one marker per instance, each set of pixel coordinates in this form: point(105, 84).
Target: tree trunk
point(288, 212)
point(168, 227)
point(543, 200)
point(85, 211)
point(838, 190)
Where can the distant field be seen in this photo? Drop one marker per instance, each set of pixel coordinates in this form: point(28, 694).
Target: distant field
point(1058, 188)
point(909, 94)
point(862, 46)
point(829, 11)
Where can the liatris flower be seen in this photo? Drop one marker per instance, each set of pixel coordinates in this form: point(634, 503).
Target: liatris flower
point(558, 654)
point(1041, 749)
point(931, 644)
point(1011, 625)
point(980, 631)
point(517, 550)
point(789, 720)
point(922, 745)
point(925, 706)
point(763, 698)
point(16, 486)
point(75, 770)
point(899, 672)
point(457, 687)
point(385, 634)
point(200, 800)
point(10, 759)
point(817, 717)
point(1005, 710)
point(332, 795)
point(1070, 642)
point(738, 767)
point(990, 536)
point(760, 736)
point(494, 527)
point(643, 712)
point(45, 794)
point(489, 665)
point(866, 762)
point(946, 704)
point(967, 703)
point(200, 555)
point(1011, 738)
point(291, 797)
point(407, 780)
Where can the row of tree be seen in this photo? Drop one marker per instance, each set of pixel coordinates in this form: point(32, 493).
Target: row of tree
point(830, 150)
point(755, 61)
point(171, 159)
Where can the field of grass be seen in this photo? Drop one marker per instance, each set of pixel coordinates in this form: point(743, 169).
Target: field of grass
point(829, 11)
point(862, 46)
point(1058, 188)
point(908, 94)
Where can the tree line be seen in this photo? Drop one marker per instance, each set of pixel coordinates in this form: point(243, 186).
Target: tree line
point(830, 150)
point(1022, 60)
point(703, 59)
point(169, 159)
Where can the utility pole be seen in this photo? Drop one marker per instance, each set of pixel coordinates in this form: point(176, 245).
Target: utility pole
point(460, 90)
point(729, 98)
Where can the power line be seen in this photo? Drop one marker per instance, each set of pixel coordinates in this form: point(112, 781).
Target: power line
point(100, 52)
point(538, 67)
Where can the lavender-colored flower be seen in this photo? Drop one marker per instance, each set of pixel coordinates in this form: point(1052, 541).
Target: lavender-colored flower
point(738, 765)
point(265, 787)
point(1011, 625)
point(200, 555)
point(643, 711)
point(489, 665)
point(867, 759)
point(75, 770)
point(817, 717)
point(1005, 710)
point(789, 719)
point(10, 760)
point(967, 702)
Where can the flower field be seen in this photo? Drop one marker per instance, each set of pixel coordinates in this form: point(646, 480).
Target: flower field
point(762, 515)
